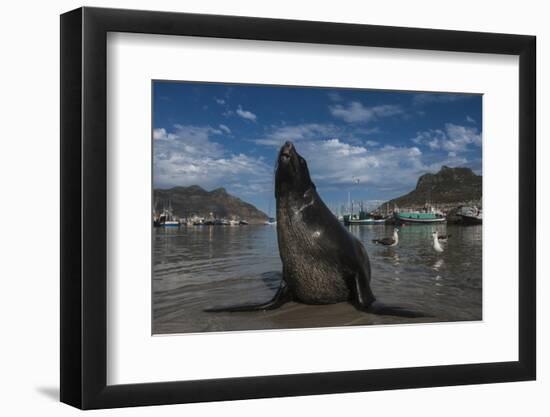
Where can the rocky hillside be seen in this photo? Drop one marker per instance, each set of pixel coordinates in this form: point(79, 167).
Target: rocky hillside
point(448, 188)
point(195, 200)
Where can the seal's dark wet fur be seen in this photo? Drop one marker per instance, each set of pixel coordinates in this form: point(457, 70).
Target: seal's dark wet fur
point(322, 262)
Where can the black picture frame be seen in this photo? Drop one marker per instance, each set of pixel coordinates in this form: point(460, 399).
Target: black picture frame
point(84, 207)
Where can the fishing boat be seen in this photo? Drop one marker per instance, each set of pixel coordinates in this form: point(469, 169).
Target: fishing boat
point(471, 215)
point(362, 218)
point(171, 223)
point(195, 221)
point(362, 222)
point(166, 218)
point(426, 216)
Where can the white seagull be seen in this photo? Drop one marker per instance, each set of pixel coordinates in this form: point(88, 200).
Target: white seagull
point(437, 246)
point(389, 241)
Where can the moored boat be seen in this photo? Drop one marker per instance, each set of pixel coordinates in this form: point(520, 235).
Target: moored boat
point(471, 215)
point(472, 219)
point(362, 222)
point(426, 216)
point(171, 223)
point(166, 218)
point(362, 218)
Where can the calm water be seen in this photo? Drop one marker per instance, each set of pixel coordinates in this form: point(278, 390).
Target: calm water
point(200, 267)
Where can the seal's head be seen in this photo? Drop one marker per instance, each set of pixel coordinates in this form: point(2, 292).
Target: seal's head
point(292, 174)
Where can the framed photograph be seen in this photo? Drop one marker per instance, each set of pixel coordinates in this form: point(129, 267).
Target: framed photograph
point(257, 208)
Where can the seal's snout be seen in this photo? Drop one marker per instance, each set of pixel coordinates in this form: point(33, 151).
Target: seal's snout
point(286, 151)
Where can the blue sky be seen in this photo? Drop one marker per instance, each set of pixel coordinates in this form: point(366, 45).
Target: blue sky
point(373, 143)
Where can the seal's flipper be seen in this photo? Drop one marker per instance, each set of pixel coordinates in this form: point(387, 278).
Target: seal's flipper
point(281, 297)
point(361, 294)
point(359, 284)
point(385, 310)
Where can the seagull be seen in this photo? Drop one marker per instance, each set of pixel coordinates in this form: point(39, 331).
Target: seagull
point(437, 246)
point(389, 241)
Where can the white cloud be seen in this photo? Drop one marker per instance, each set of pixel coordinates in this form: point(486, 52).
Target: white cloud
point(245, 114)
point(414, 151)
point(334, 165)
point(225, 129)
point(470, 119)
point(189, 156)
point(220, 101)
point(277, 135)
point(430, 138)
point(355, 112)
point(459, 137)
point(343, 149)
point(453, 138)
point(185, 140)
point(161, 134)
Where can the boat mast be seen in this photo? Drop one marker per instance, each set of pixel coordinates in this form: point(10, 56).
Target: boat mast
point(355, 181)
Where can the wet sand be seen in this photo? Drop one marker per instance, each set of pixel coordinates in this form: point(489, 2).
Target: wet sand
point(290, 316)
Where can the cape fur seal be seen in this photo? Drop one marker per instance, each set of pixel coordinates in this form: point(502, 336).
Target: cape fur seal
point(322, 262)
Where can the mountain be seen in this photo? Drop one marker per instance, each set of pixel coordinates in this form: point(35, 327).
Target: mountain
point(195, 200)
point(448, 188)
